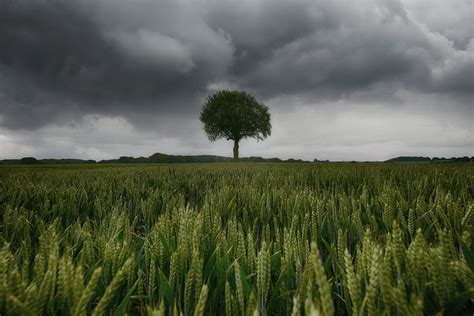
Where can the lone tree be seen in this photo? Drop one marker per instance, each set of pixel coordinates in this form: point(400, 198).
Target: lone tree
point(235, 115)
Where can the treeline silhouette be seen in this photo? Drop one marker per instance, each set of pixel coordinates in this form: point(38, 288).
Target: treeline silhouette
point(428, 159)
point(155, 158)
point(164, 158)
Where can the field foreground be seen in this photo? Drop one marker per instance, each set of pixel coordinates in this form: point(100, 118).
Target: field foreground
point(262, 239)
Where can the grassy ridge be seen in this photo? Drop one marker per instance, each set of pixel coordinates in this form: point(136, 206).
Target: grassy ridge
point(293, 239)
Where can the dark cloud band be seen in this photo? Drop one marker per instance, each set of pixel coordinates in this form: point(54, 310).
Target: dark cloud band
point(61, 60)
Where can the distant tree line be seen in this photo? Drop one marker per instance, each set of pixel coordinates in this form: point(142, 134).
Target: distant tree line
point(434, 159)
point(164, 158)
point(155, 158)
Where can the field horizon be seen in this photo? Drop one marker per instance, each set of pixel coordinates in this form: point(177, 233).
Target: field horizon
point(169, 158)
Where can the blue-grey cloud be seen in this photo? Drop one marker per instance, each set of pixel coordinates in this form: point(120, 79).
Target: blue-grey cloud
point(152, 62)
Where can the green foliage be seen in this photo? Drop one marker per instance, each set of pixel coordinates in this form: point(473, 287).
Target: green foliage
point(345, 239)
point(235, 115)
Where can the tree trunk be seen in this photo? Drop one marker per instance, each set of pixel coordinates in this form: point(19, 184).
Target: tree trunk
point(236, 150)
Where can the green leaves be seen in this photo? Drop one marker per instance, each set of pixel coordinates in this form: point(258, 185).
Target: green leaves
point(468, 254)
point(236, 239)
point(235, 115)
point(166, 288)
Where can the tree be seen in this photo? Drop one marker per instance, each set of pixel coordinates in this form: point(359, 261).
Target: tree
point(235, 115)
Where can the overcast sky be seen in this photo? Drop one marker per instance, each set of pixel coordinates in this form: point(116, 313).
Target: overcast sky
point(344, 79)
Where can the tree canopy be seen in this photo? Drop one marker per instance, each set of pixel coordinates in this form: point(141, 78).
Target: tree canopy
point(235, 115)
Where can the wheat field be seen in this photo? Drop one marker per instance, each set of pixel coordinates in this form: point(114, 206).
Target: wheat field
point(237, 239)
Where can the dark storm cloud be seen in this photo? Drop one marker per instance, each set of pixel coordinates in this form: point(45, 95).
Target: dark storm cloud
point(57, 60)
point(340, 47)
point(61, 60)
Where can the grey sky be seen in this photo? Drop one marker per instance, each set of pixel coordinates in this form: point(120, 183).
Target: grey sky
point(364, 80)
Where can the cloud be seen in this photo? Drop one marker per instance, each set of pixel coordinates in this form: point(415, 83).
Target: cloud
point(94, 137)
point(333, 130)
point(452, 19)
point(155, 49)
point(103, 57)
point(151, 63)
point(349, 47)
